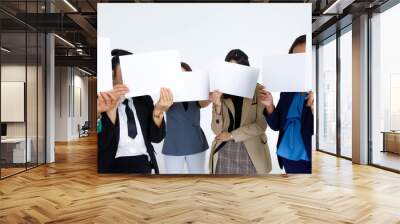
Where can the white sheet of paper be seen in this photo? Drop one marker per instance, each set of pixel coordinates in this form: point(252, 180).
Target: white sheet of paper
point(104, 69)
point(146, 73)
point(286, 73)
point(234, 79)
point(191, 86)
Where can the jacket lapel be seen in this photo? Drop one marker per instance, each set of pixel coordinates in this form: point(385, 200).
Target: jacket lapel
point(117, 129)
point(140, 113)
point(245, 109)
point(229, 104)
point(186, 113)
point(144, 121)
point(290, 96)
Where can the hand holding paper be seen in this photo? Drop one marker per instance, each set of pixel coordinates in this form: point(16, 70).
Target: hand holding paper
point(165, 101)
point(266, 99)
point(215, 97)
point(109, 100)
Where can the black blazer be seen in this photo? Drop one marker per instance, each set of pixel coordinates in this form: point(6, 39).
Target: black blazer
point(278, 118)
point(108, 138)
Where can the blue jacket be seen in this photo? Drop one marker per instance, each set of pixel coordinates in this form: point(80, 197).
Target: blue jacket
point(184, 135)
point(277, 121)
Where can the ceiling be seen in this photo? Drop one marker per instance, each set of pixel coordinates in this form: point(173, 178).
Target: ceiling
point(75, 21)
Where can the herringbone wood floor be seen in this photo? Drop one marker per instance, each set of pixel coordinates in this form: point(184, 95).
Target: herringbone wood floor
point(70, 191)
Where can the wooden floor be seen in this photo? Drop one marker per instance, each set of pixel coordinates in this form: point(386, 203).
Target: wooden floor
point(5, 172)
point(387, 159)
point(70, 191)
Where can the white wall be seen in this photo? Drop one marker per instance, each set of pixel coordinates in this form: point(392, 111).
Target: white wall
point(70, 83)
point(204, 33)
point(61, 103)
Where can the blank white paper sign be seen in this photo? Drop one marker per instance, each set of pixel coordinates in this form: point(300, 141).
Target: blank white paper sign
point(286, 73)
point(104, 69)
point(146, 73)
point(191, 86)
point(234, 79)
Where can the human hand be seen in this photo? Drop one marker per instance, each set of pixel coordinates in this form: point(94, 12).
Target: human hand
point(224, 136)
point(310, 99)
point(215, 97)
point(165, 101)
point(266, 97)
point(107, 101)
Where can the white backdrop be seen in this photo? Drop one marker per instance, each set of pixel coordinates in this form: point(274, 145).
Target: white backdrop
point(204, 34)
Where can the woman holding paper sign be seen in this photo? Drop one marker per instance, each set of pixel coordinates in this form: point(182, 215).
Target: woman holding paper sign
point(240, 146)
point(293, 118)
point(185, 141)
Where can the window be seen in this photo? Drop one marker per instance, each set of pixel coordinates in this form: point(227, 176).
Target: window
point(327, 96)
point(346, 93)
point(22, 66)
point(385, 89)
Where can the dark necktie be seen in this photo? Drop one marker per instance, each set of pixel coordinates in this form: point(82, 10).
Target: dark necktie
point(132, 132)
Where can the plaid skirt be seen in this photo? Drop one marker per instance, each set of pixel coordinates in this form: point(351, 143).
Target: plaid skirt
point(234, 159)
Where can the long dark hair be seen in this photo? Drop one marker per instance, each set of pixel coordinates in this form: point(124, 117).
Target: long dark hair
point(299, 40)
point(239, 56)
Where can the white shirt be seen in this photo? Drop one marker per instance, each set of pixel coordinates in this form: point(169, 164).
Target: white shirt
point(126, 145)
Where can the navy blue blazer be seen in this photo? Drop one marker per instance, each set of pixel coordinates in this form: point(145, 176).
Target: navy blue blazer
point(277, 121)
point(184, 135)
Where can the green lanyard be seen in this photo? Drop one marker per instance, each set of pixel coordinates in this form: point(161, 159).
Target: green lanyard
point(99, 125)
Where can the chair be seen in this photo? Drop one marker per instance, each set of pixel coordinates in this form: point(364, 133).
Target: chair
point(84, 130)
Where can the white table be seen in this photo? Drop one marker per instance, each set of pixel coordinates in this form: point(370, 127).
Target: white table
point(19, 154)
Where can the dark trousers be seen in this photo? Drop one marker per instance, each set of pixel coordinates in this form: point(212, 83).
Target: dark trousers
point(132, 164)
point(298, 167)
